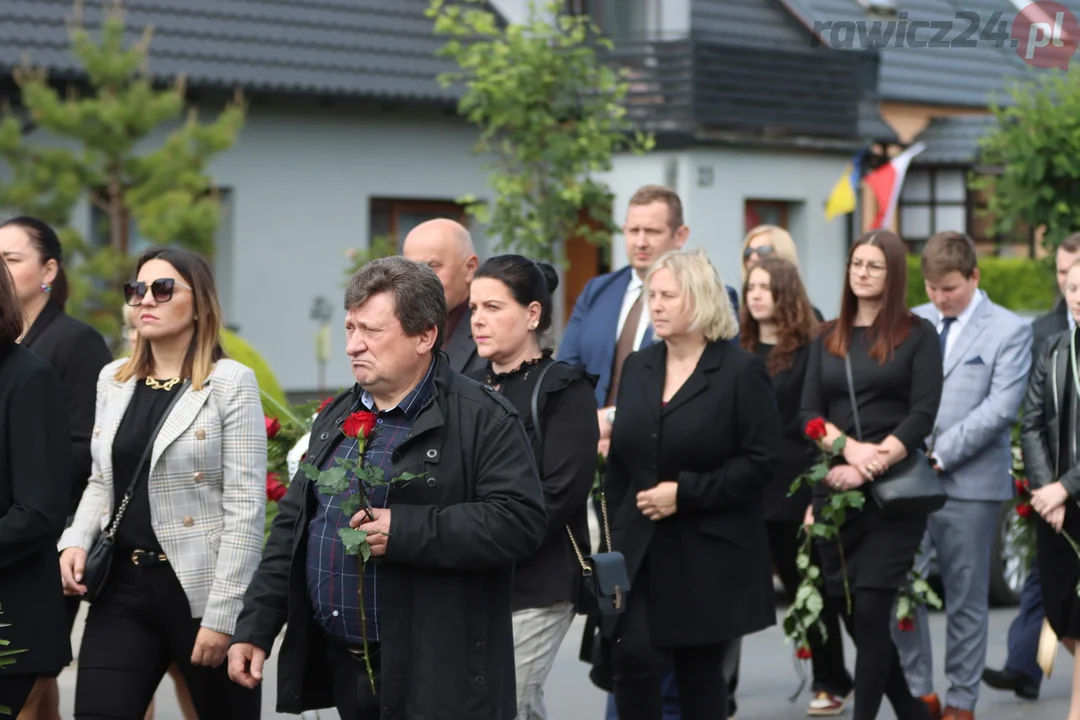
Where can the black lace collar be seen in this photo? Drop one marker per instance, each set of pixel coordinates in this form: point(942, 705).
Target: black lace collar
point(494, 379)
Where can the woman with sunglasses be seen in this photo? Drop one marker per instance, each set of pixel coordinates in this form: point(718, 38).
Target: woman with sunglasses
point(182, 428)
point(31, 251)
point(770, 241)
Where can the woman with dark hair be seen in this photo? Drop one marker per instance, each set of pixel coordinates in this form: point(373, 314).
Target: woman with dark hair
point(510, 300)
point(35, 474)
point(179, 467)
point(31, 250)
point(778, 324)
point(897, 375)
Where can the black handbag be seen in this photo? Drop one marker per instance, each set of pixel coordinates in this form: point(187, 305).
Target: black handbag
point(604, 581)
point(99, 559)
point(911, 486)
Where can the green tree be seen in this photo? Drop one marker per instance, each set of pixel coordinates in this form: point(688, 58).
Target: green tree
point(95, 146)
point(1036, 146)
point(549, 111)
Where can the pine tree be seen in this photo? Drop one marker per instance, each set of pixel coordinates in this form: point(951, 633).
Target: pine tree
point(95, 147)
point(550, 112)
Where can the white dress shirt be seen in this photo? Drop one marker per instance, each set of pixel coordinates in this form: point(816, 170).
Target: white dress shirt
point(961, 320)
point(633, 291)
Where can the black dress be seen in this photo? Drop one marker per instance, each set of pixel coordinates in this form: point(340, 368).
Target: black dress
point(899, 397)
point(1059, 567)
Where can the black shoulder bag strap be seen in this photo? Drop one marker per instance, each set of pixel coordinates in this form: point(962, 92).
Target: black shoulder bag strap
point(110, 531)
point(851, 397)
point(534, 407)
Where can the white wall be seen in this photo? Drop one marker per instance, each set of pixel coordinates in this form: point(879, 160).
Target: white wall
point(715, 212)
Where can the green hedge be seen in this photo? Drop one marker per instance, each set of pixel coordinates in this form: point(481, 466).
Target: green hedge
point(1018, 284)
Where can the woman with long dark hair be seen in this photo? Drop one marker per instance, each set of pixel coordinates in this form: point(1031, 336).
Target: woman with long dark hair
point(510, 302)
point(778, 325)
point(179, 458)
point(77, 352)
point(897, 376)
point(35, 474)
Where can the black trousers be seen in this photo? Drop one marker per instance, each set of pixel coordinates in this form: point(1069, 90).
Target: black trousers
point(638, 667)
point(352, 692)
point(827, 656)
point(140, 624)
point(14, 690)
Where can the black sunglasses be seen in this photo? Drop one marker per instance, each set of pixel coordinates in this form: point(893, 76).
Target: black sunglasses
point(162, 290)
point(761, 250)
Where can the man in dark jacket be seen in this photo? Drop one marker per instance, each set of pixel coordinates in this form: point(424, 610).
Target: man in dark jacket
point(436, 595)
point(1022, 673)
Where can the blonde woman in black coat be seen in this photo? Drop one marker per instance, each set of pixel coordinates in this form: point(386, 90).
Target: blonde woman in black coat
point(694, 439)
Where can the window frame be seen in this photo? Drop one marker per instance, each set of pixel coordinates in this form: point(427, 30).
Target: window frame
point(933, 203)
point(436, 207)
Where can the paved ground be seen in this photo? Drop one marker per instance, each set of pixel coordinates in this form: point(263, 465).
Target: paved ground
point(768, 679)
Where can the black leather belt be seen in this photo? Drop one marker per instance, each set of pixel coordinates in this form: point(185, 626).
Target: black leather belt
point(145, 558)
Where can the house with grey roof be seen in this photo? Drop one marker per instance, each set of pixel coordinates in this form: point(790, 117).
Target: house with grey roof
point(350, 137)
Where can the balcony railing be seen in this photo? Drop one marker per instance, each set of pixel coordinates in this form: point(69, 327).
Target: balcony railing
point(691, 84)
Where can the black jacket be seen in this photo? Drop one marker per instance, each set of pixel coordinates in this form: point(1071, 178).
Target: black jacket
point(35, 474)
point(1040, 426)
point(710, 576)
point(461, 348)
point(455, 534)
point(1048, 325)
point(77, 352)
point(567, 461)
point(796, 452)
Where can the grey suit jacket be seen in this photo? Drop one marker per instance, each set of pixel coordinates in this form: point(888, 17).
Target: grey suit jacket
point(207, 486)
point(985, 379)
point(461, 350)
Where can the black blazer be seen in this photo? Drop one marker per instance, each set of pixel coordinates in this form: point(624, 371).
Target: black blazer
point(797, 453)
point(77, 352)
point(719, 436)
point(1048, 325)
point(460, 349)
point(35, 472)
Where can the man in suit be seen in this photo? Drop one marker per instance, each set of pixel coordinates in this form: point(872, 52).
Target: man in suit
point(610, 320)
point(986, 351)
point(447, 248)
point(1022, 674)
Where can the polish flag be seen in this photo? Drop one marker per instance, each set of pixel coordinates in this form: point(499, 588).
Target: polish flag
point(886, 182)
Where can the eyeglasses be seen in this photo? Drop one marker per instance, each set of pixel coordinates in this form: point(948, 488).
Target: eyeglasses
point(162, 290)
point(761, 250)
point(873, 269)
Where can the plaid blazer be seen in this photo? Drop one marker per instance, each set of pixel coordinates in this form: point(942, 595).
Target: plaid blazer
point(207, 486)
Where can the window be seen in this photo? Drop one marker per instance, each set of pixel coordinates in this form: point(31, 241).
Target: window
point(618, 19)
point(933, 200)
point(765, 212)
point(395, 218)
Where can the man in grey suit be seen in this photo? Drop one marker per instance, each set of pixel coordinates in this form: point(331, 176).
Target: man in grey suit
point(986, 351)
point(447, 248)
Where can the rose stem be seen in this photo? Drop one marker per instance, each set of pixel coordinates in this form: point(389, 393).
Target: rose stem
point(363, 622)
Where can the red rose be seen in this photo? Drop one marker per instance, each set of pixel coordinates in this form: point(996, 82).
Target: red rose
point(326, 402)
point(273, 427)
point(275, 489)
point(906, 624)
point(815, 429)
point(359, 424)
point(803, 653)
point(1024, 510)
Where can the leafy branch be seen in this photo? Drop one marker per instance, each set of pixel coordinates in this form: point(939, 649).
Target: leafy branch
point(7, 659)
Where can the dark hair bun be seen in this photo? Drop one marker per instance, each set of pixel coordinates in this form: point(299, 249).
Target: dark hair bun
point(550, 276)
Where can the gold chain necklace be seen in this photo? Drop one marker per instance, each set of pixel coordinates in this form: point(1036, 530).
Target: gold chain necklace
point(166, 386)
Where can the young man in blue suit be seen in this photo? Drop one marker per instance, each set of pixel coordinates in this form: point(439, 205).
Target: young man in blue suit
point(611, 320)
point(986, 351)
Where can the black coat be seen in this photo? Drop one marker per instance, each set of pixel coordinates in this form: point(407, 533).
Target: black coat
point(35, 474)
point(710, 576)
point(566, 446)
point(1048, 325)
point(796, 453)
point(77, 352)
point(447, 640)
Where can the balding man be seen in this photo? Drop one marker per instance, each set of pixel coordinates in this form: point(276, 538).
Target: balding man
point(447, 248)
